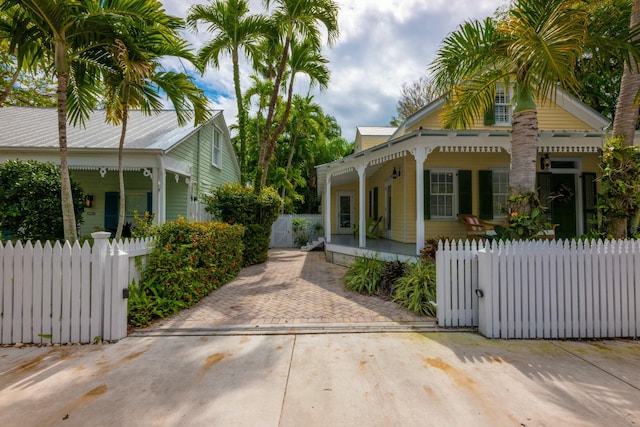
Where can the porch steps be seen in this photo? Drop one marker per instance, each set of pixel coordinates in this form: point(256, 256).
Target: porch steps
point(313, 245)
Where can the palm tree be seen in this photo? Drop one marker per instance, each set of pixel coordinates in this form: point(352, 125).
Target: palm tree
point(626, 118)
point(72, 35)
point(135, 75)
point(304, 59)
point(534, 46)
point(233, 30)
point(307, 121)
point(293, 18)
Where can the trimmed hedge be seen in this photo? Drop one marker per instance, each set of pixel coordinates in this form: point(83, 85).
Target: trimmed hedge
point(189, 261)
point(236, 204)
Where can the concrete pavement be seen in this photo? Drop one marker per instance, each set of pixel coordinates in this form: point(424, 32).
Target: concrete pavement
point(255, 353)
point(393, 379)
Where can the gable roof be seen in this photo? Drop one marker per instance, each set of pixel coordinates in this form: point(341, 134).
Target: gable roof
point(562, 98)
point(29, 127)
point(376, 130)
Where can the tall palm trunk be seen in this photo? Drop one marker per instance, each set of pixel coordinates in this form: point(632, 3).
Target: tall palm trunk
point(122, 206)
point(524, 138)
point(5, 93)
point(68, 214)
point(271, 141)
point(292, 151)
point(242, 133)
point(626, 118)
point(268, 137)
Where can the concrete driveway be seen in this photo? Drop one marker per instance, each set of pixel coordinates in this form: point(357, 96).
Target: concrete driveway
point(366, 379)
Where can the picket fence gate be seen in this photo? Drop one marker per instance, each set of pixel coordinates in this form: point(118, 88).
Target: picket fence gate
point(67, 293)
point(541, 289)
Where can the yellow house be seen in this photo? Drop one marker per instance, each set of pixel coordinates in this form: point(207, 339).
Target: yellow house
point(409, 183)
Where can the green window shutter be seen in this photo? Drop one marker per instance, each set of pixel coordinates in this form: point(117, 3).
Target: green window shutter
point(149, 203)
point(485, 179)
point(111, 210)
point(589, 195)
point(375, 202)
point(544, 187)
point(427, 194)
point(490, 116)
point(465, 192)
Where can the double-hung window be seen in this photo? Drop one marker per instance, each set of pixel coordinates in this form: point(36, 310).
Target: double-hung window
point(216, 148)
point(500, 191)
point(502, 109)
point(442, 198)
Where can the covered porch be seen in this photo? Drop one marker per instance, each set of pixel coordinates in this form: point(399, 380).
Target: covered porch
point(344, 248)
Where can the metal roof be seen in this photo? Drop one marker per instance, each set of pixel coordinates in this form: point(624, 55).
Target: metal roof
point(28, 127)
point(376, 130)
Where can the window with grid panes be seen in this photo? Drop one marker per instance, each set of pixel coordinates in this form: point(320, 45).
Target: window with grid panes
point(442, 194)
point(502, 106)
point(500, 191)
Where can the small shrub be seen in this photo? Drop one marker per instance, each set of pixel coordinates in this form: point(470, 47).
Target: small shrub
point(391, 272)
point(364, 275)
point(416, 290)
point(526, 217)
point(143, 226)
point(301, 231)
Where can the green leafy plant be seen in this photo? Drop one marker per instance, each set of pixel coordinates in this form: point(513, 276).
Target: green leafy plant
point(416, 290)
point(301, 230)
point(619, 199)
point(30, 206)
point(189, 260)
point(143, 226)
point(526, 218)
point(256, 211)
point(364, 275)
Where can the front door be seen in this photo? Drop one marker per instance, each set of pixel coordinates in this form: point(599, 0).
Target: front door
point(563, 204)
point(345, 212)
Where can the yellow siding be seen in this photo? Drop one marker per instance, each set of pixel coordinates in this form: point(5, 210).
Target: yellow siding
point(550, 117)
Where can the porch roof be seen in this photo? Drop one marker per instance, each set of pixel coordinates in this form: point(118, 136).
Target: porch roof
point(457, 141)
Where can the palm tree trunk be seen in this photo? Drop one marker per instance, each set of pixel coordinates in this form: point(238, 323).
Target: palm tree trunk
point(122, 208)
point(626, 118)
point(242, 134)
point(68, 214)
point(268, 135)
point(271, 141)
point(292, 151)
point(5, 93)
point(524, 138)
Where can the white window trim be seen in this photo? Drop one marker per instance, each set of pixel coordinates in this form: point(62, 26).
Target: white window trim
point(216, 137)
point(498, 216)
point(509, 93)
point(454, 216)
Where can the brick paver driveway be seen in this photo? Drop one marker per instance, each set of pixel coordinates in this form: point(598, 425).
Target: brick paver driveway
point(292, 290)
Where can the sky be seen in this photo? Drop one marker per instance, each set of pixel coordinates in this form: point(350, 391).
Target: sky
point(383, 44)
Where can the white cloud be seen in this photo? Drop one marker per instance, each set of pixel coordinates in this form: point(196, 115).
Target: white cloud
point(382, 44)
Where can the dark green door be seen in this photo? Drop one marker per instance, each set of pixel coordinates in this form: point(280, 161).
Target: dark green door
point(563, 205)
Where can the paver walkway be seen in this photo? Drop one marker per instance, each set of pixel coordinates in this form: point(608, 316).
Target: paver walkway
point(293, 289)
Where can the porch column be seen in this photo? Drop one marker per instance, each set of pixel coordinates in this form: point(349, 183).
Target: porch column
point(327, 209)
point(420, 154)
point(362, 220)
point(155, 191)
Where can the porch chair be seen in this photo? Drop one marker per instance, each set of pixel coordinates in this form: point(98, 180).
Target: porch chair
point(475, 227)
point(372, 225)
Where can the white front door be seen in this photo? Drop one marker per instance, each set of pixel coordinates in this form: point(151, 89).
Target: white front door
point(344, 223)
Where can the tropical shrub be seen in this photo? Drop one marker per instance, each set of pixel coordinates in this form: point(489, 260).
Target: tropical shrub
point(416, 290)
point(526, 217)
point(364, 275)
point(143, 226)
point(30, 206)
point(301, 228)
point(620, 192)
point(256, 211)
point(189, 260)
point(391, 272)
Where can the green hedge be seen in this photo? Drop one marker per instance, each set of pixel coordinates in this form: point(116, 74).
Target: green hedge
point(189, 260)
point(235, 204)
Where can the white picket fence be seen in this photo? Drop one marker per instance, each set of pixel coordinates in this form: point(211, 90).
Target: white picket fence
point(67, 293)
point(541, 289)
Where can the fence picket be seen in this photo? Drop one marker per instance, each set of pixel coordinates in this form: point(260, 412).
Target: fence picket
point(27, 293)
point(65, 319)
point(18, 289)
point(47, 293)
point(38, 263)
point(85, 293)
point(76, 296)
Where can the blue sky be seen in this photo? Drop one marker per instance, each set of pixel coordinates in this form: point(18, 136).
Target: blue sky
point(382, 44)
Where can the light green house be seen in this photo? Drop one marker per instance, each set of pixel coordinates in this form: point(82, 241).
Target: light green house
point(167, 167)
